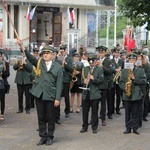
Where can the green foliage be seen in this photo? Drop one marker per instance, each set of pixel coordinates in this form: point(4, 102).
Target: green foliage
point(121, 24)
point(137, 11)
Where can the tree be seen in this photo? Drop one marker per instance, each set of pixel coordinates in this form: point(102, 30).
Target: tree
point(137, 10)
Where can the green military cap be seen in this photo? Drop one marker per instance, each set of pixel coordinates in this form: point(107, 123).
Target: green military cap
point(63, 47)
point(116, 49)
point(123, 52)
point(131, 56)
point(101, 48)
point(91, 58)
point(55, 50)
point(136, 51)
point(35, 50)
point(76, 54)
point(48, 49)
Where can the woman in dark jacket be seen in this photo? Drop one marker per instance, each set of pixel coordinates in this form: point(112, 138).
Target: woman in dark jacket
point(4, 74)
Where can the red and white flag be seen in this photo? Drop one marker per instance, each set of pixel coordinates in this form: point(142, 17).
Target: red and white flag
point(69, 15)
point(72, 14)
point(28, 13)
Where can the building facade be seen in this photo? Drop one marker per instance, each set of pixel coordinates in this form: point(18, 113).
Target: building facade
point(50, 21)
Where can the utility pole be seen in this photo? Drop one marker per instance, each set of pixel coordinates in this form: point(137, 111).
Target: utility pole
point(115, 23)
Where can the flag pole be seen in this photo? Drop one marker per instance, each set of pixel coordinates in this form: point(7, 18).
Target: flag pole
point(5, 7)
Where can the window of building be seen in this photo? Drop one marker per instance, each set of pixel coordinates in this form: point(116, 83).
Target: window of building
point(16, 18)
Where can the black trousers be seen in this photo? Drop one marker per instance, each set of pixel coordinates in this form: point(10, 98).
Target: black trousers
point(86, 104)
point(110, 101)
point(118, 92)
point(2, 100)
point(103, 104)
point(132, 114)
point(46, 114)
point(65, 91)
point(57, 113)
point(146, 106)
point(23, 88)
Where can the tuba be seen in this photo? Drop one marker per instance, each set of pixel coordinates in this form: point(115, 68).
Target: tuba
point(128, 85)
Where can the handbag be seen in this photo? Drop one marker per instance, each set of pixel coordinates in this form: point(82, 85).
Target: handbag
point(1, 84)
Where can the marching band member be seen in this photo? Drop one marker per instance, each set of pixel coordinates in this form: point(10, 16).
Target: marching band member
point(130, 82)
point(23, 80)
point(48, 83)
point(105, 63)
point(92, 77)
point(75, 83)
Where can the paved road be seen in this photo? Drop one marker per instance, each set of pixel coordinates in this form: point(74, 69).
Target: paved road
point(18, 131)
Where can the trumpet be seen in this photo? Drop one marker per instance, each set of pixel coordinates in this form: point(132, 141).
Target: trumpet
point(19, 61)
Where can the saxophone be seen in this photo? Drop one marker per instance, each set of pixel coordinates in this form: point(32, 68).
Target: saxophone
point(128, 85)
point(74, 78)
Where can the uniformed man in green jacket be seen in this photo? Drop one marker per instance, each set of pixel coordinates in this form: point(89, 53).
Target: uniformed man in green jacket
point(23, 80)
point(130, 82)
point(47, 89)
point(92, 77)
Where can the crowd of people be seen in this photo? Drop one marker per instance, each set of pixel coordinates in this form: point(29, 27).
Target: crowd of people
point(101, 83)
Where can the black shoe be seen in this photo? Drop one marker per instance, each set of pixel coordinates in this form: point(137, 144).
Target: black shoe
point(83, 130)
point(49, 141)
point(136, 132)
point(37, 129)
point(32, 106)
point(122, 107)
point(19, 111)
point(28, 112)
point(42, 141)
point(67, 116)
point(95, 131)
point(57, 122)
point(127, 131)
point(103, 123)
point(118, 112)
point(110, 117)
point(144, 119)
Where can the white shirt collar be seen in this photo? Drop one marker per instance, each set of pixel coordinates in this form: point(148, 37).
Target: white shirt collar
point(48, 65)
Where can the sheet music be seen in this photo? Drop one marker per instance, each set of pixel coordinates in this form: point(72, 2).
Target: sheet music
point(128, 65)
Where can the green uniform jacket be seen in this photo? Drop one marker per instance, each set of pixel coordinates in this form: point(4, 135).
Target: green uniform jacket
point(93, 84)
point(107, 68)
point(49, 83)
point(140, 79)
point(23, 76)
point(146, 68)
point(68, 69)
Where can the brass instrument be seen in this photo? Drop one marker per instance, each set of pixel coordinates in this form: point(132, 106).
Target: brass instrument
point(128, 85)
point(84, 78)
point(19, 61)
point(74, 77)
point(116, 77)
